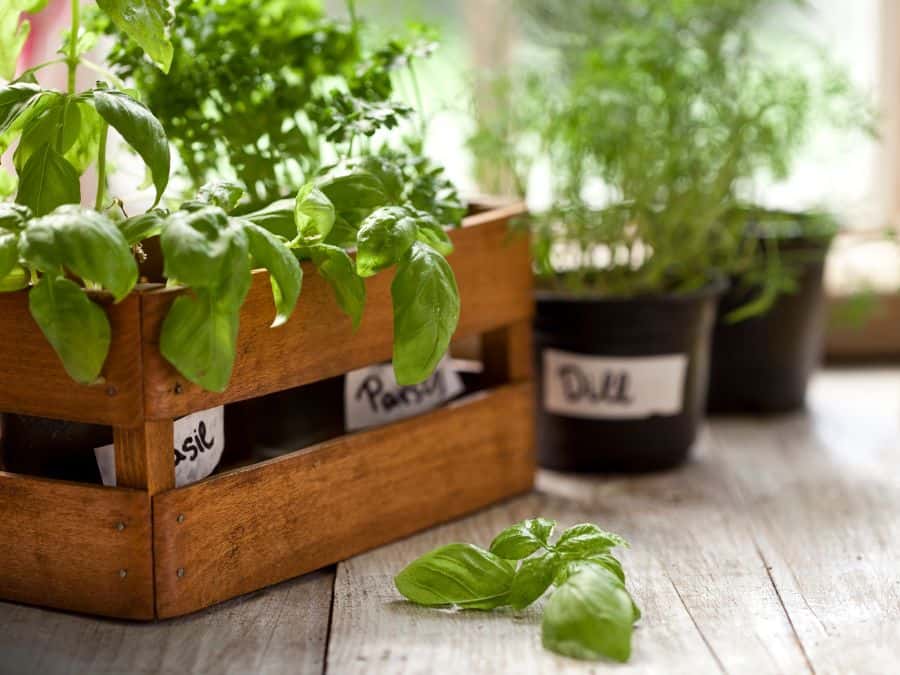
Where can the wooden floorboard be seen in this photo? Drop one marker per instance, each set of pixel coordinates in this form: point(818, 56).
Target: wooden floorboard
point(774, 551)
point(280, 630)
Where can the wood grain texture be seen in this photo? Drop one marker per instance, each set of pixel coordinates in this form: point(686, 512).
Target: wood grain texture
point(145, 457)
point(278, 631)
point(34, 382)
point(76, 547)
point(265, 523)
point(507, 354)
point(494, 277)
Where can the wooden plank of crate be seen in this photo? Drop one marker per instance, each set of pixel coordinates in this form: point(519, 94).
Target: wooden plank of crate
point(76, 547)
point(34, 382)
point(240, 531)
point(495, 283)
point(144, 456)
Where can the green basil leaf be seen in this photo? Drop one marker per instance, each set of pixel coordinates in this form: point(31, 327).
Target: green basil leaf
point(75, 327)
point(590, 616)
point(588, 539)
point(336, 267)
point(278, 218)
point(140, 129)
point(14, 32)
point(285, 272)
point(343, 234)
point(15, 280)
point(48, 181)
point(532, 579)
point(9, 252)
point(388, 172)
point(144, 226)
point(605, 560)
point(314, 215)
point(58, 125)
point(224, 194)
point(199, 338)
point(354, 190)
point(432, 233)
point(13, 217)
point(206, 249)
point(22, 118)
point(84, 241)
point(426, 312)
point(15, 99)
point(522, 539)
point(383, 239)
point(86, 145)
point(459, 575)
point(147, 23)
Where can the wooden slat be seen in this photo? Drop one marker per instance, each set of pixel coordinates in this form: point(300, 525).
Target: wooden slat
point(76, 547)
point(494, 276)
point(507, 354)
point(34, 382)
point(144, 456)
point(269, 522)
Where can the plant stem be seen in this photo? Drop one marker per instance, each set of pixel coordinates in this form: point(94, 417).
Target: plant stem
point(354, 19)
point(101, 167)
point(417, 92)
point(72, 57)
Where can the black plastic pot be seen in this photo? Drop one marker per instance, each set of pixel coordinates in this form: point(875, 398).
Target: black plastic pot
point(636, 402)
point(763, 364)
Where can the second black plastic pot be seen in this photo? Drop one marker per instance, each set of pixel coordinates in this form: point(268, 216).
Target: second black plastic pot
point(763, 364)
point(622, 382)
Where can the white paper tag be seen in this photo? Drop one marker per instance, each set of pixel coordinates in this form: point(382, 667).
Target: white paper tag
point(198, 445)
point(601, 387)
point(372, 396)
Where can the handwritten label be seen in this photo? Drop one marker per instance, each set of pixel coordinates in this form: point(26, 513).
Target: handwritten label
point(198, 444)
point(372, 396)
point(600, 387)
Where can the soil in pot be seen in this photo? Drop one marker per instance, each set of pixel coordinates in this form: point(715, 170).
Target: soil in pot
point(621, 381)
point(763, 364)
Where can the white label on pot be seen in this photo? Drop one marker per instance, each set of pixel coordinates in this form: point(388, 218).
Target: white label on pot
point(607, 387)
point(198, 445)
point(372, 396)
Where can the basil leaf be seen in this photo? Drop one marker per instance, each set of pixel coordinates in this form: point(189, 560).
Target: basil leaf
point(285, 273)
point(433, 234)
point(84, 241)
point(13, 217)
point(144, 226)
point(222, 193)
point(48, 181)
point(588, 539)
point(278, 218)
point(343, 234)
point(14, 33)
point(14, 99)
point(58, 125)
point(314, 215)
point(354, 190)
point(336, 267)
point(458, 575)
point(426, 312)
point(9, 252)
point(384, 237)
point(74, 326)
point(589, 616)
point(15, 280)
point(199, 338)
point(522, 539)
point(140, 129)
point(206, 249)
point(147, 23)
point(533, 577)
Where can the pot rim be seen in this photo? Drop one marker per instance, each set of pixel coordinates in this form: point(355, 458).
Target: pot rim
point(714, 288)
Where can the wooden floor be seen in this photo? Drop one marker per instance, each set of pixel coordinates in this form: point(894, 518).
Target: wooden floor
point(776, 551)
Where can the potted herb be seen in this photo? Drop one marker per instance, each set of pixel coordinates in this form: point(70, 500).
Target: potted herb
point(56, 250)
point(309, 109)
point(647, 128)
point(770, 328)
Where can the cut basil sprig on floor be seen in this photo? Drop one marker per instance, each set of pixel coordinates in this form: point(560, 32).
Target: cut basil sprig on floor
point(589, 613)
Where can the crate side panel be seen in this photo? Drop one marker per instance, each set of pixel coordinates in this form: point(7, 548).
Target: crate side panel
point(257, 526)
point(66, 546)
point(495, 282)
point(34, 382)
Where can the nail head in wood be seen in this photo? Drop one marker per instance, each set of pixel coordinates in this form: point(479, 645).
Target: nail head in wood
point(120, 526)
point(180, 572)
point(180, 518)
point(123, 573)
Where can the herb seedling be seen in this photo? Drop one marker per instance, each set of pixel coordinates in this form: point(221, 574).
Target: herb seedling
point(589, 613)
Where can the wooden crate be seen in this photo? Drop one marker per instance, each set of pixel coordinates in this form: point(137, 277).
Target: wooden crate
point(146, 550)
